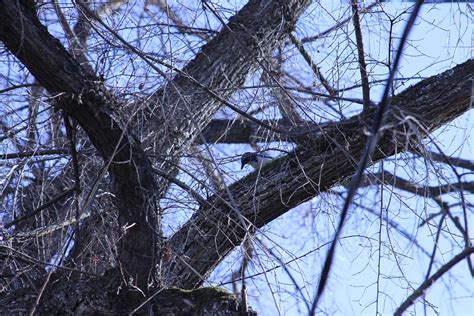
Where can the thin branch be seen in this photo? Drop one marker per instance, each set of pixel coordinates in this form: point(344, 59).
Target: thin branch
point(255, 57)
point(458, 162)
point(360, 52)
point(148, 59)
point(283, 99)
point(182, 185)
point(336, 26)
point(288, 273)
point(18, 255)
point(20, 86)
point(435, 246)
point(314, 67)
point(430, 191)
point(463, 230)
point(163, 5)
point(210, 169)
point(373, 82)
point(378, 122)
point(427, 283)
point(57, 261)
point(72, 143)
point(390, 223)
point(54, 200)
point(43, 152)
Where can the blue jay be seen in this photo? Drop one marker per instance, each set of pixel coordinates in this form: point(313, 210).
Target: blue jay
point(256, 160)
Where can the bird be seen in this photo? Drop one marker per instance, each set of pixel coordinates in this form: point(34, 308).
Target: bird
point(256, 160)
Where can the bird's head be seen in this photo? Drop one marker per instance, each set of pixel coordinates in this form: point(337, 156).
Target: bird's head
point(247, 158)
point(256, 160)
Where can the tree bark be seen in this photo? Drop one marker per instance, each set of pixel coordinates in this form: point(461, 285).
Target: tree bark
point(214, 230)
point(84, 98)
point(87, 297)
point(185, 106)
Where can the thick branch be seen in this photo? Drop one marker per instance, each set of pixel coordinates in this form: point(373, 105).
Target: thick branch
point(84, 98)
point(183, 108)
point(388, 178)
point(458, 162)
point(289, 181)
point(86, 296)
point(360, 53)
point(239, 132)
point(236, 131)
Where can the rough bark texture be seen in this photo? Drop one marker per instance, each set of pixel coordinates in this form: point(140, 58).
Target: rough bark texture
point(312, 168)
point(87, 297)
point(183, 108)
point(84, 98)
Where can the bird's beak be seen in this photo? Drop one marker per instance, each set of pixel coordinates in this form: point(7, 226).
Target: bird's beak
point(242, 167)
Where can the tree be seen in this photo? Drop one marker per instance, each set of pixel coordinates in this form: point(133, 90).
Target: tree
point(97, 162)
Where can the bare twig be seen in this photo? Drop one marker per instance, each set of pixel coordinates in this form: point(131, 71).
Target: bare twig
point(427, 283)
point(57, 261)
point(18, 86)
point(458, 162)
point(148, 59)
point(464, 230)
point(54, 200)
point(182, 185)
point(18, 255)
point(431, 191)
point(366, 156)
point(44, 152)
point(283, 99)
point(435, 246)
point(313, 66)
point(179, 24)
point(360, 52)
point(209, 168)
point(336, 26)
